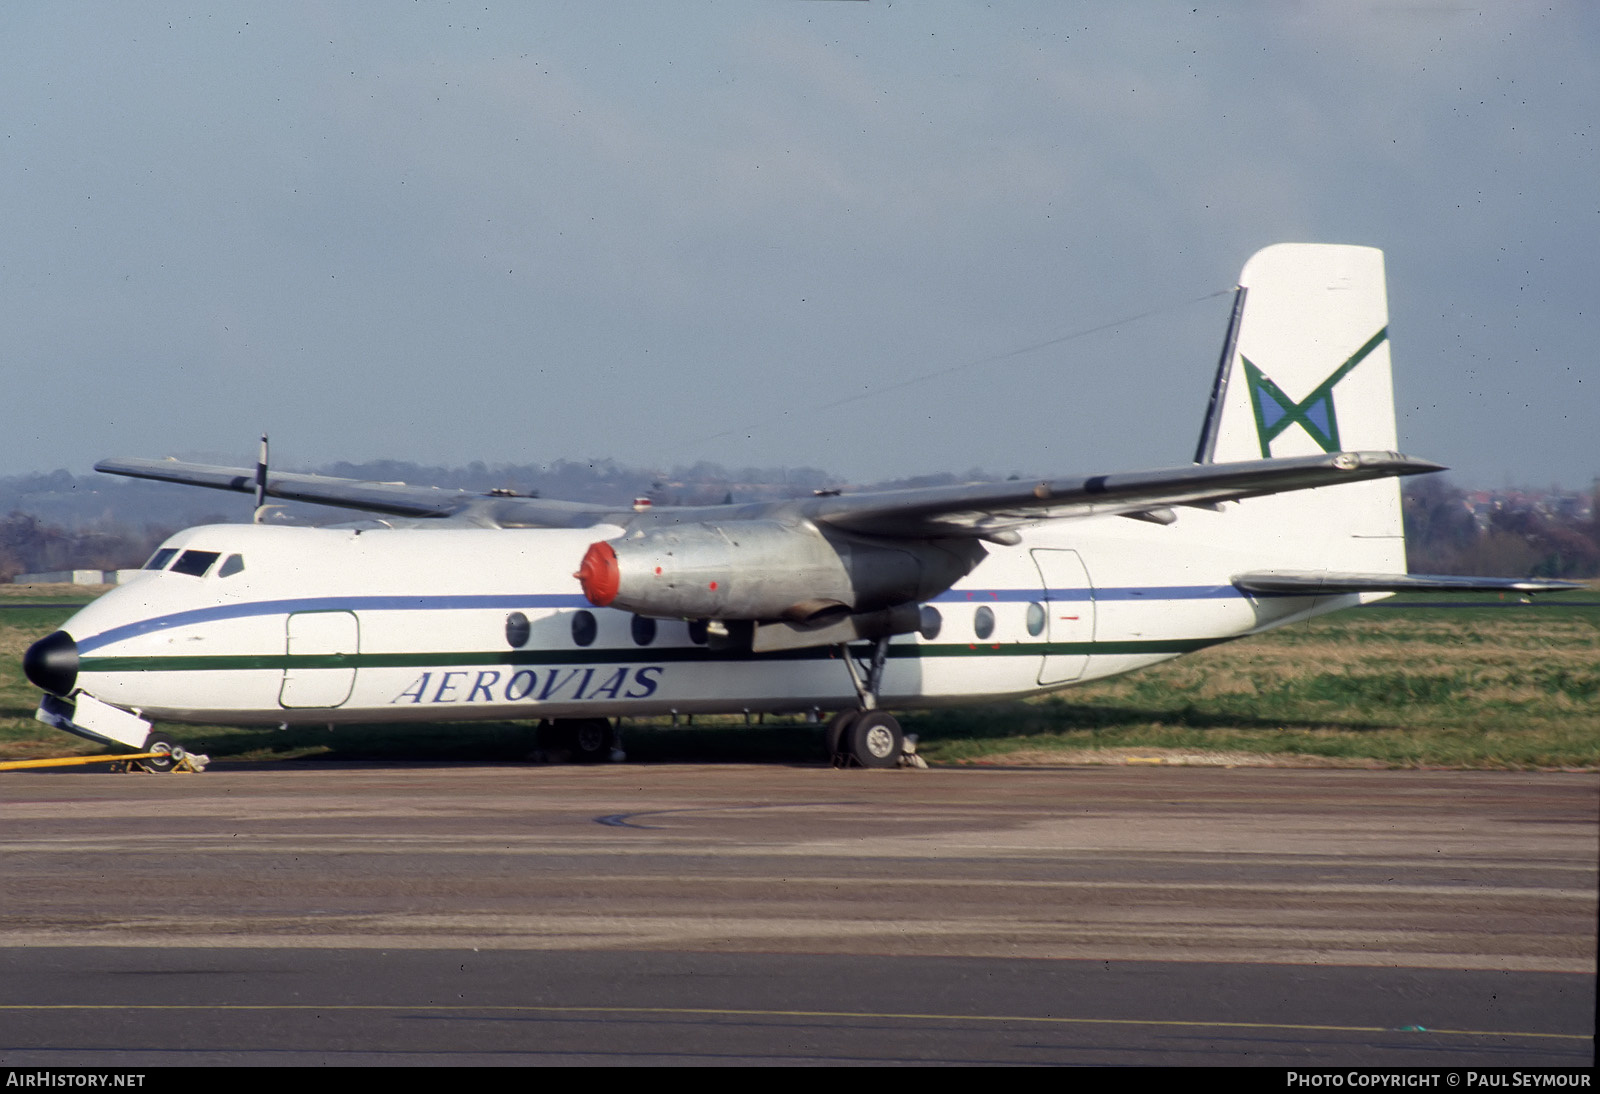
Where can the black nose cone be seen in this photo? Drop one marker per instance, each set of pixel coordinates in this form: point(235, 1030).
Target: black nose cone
point(52, 663)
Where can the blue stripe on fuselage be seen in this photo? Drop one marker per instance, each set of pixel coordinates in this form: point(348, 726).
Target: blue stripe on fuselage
point(246, 609)
point(525, 601)
point(1137, 592)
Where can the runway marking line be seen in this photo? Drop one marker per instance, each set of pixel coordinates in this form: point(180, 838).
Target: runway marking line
point(730, 1013)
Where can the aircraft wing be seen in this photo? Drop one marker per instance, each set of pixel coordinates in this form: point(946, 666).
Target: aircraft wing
point(1305, 581)
point(940, 512)
point(992, 509)
point(391, 498)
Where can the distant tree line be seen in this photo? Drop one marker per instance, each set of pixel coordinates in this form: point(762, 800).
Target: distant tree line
point(59, 521)
point(28, 545)
point(1510, 533)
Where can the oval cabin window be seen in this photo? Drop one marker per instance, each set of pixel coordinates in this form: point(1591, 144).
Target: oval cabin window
point(584, 628)
point(517, 630)
point(1036, 619)
point(644, 630)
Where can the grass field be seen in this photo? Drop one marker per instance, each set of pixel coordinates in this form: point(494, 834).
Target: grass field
point(1480, 683)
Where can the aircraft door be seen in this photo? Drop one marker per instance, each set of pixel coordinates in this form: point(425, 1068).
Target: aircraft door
point(1069, 615)
point(321, 671)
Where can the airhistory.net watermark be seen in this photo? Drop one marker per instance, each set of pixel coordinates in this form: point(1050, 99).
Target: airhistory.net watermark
point(50, 1079)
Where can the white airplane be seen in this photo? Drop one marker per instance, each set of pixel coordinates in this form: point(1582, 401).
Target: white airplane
point(456, 605)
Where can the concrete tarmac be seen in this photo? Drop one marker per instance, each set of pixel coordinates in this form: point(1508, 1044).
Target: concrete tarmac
point(310, 912)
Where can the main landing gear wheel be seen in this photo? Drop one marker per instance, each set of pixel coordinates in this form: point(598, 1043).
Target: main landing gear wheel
point(868, 736)
point(577, 740)
point(835, 735)
point(590, 739)
point(874, 739)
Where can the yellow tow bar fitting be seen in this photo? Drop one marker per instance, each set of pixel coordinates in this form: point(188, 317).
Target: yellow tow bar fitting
point(162, 759)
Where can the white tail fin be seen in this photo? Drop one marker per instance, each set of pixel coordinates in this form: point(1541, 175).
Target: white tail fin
point(1306, 370)
point(1307, 365)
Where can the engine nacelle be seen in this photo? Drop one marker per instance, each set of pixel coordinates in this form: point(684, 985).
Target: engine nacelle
point(767, 570)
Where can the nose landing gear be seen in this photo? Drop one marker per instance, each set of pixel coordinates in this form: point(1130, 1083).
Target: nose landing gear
point(164, 754)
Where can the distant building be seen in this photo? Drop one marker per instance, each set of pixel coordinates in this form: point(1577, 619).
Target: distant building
point(72, 577)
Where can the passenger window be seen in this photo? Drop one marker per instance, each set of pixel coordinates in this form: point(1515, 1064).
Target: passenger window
point(644, 630)
point(584, 628)
point(517, 630)
point(697, 631)
point(1036, 619)
point(983, 622)
point(195, 563)
point(159, 560)
point(231, 565)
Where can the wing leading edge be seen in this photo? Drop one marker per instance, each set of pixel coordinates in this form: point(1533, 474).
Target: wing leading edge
point(994, 509)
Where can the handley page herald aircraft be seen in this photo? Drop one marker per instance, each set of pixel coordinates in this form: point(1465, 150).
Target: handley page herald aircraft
point(459, 605)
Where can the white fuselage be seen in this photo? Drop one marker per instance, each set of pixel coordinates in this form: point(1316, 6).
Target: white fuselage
point(332, 625)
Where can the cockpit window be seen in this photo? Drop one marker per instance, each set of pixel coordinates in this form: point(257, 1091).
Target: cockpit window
point(159, 560)
point(195, 563)
point(231, 565)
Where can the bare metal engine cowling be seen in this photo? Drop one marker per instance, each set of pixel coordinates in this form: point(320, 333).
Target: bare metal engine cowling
point(767, 570)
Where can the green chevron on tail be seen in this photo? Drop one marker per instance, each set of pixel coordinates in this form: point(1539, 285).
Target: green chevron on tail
point(1275, 411)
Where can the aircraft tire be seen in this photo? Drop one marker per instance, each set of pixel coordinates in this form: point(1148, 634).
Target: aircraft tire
point(875, 740)
point(170, 752)
point(836, 735)
point(590, 739)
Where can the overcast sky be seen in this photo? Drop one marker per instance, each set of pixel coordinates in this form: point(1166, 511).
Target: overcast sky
point(667, 232)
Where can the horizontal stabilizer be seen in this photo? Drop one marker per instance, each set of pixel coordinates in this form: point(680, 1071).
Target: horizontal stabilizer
point(1292, 581)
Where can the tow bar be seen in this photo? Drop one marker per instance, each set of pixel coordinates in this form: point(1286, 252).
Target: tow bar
point(161, 758)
